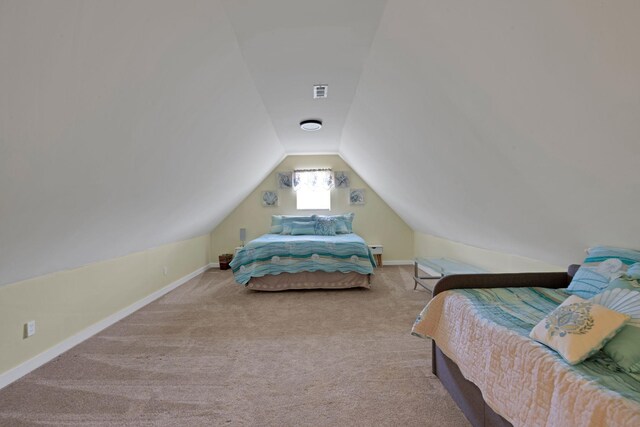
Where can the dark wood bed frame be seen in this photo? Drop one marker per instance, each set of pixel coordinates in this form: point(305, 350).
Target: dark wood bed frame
point(464, 392)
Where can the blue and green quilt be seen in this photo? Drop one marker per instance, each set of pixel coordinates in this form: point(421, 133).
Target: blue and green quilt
point(276, 253)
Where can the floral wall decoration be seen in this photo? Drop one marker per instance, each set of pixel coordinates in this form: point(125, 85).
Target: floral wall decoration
point(269, 198)
point(284, 179)
point(342, 179)
point(356, 196)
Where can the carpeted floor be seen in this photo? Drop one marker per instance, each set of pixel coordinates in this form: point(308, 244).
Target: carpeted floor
point(214, 353)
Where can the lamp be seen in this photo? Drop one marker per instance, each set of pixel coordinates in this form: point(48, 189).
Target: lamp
point(311, 125)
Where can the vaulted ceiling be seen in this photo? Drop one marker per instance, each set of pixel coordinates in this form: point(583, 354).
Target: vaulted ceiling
point(512, 126)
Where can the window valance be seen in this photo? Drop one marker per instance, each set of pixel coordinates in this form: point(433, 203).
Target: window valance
point(313, 179)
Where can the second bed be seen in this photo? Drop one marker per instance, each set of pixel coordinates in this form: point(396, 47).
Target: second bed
point(274, 262)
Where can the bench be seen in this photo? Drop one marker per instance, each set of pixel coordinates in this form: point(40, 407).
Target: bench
point(437, 268)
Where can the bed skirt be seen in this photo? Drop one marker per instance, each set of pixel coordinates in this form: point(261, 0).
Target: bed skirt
point(310, 280)
point(466, 394)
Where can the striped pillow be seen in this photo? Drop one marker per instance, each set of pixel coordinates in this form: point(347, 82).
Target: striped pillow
point(302, 228)
point(281, 224)
point(602, 264)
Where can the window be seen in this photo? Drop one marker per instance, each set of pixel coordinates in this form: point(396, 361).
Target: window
point(313, 199)
point(313, 188)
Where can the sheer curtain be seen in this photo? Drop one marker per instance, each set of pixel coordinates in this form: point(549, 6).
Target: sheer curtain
point(313, 179)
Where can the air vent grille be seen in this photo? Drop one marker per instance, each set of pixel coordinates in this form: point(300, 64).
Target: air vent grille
point(320, 91)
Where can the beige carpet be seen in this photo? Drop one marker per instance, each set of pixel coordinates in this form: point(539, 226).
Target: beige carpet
point(214, 353)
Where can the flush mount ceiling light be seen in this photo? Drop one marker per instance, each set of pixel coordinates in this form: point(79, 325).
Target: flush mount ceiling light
point(311, 125)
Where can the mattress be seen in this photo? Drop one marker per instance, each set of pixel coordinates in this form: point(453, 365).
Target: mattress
point(485, 332)
point(273, 254)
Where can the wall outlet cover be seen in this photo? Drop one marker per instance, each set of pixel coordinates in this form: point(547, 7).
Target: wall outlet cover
point(29, 328)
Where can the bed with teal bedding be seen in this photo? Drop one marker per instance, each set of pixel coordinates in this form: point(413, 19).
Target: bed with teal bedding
point(485, 332)
point(335, 257)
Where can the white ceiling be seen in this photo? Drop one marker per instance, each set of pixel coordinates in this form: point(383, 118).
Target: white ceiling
point(125, 125)
point(291, 45)
point(511, 126)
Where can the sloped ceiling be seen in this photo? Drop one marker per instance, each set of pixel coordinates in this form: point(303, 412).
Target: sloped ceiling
point(125, 125)
point(512, 126)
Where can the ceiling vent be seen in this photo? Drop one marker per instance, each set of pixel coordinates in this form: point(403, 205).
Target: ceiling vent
point(320, 91)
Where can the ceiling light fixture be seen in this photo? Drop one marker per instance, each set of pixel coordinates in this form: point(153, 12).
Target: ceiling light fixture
point(311, 125)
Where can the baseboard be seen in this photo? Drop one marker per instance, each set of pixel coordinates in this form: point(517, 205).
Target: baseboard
point(24, 368)
point(397, 262)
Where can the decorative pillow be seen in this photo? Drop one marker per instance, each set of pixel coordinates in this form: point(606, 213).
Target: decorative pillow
point(287, 221)
point(325, 226)
point(623, 296)
point(578, 328)
point(343, 222)
point(602, 264)
point(634, 271)
point(348, 220)
point(623, 282)
point(300, 228)
point(286, 229)
point(341, 227)
point(276, 224)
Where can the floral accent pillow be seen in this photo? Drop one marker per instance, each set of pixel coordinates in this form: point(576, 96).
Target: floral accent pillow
point(344, 222)
point(578, 328)
point(325, 226)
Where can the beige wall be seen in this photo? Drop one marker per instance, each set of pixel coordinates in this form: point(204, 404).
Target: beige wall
point(497, 262)
point(374, 221)
point(65, 303)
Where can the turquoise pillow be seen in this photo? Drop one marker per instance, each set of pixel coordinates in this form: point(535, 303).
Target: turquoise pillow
point(276, 224)
point(348, 220)
point(634, 271)
point(341, 227)
point(623, 296)
point(344, 222)
point(325, 226)
point(602, 264)
point(287, 220)
point(302, 228)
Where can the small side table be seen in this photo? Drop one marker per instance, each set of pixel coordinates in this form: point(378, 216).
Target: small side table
point(376, 250)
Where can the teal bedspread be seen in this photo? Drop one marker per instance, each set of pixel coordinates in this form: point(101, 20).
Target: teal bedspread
point(520, 309)
point(276, 253)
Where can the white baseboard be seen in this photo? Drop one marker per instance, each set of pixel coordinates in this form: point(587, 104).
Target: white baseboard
point(397, 262)
point(24, 368)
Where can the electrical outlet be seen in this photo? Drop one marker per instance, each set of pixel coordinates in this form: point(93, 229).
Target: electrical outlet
point(29, 328)
point(164, 270)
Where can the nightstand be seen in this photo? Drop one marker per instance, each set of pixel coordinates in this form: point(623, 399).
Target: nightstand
point(376, 250)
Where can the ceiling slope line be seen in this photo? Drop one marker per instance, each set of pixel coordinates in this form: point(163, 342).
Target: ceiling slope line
point(248, 70)
point(358, 85)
